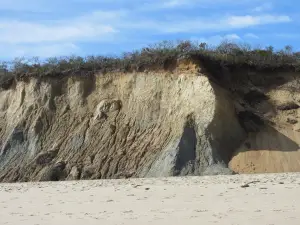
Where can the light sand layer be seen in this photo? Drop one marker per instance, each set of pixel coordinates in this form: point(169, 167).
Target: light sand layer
point(273, 199)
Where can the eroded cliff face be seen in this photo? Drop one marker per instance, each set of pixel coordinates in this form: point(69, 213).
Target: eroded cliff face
point(274, 146)
point(136, 125)
point(117, 125)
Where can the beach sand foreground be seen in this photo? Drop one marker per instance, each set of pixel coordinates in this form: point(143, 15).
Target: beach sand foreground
point(263, 199)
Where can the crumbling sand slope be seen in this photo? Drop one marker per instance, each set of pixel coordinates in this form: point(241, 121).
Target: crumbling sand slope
point(275, 146)
point(137, 125)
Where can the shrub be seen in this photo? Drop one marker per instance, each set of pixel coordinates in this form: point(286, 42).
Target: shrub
point(155, 56)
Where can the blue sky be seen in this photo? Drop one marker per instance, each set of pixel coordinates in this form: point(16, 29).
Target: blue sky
point(57, 28)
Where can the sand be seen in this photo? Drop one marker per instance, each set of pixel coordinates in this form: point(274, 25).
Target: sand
point(268, 199)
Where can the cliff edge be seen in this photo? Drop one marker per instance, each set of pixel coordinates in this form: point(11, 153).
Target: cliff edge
point(149, 124)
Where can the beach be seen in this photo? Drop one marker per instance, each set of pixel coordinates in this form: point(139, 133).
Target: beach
point(263, 199)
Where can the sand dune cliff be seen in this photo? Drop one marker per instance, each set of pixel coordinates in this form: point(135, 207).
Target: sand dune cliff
point(149, 124)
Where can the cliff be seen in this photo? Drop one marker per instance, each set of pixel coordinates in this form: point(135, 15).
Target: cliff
point(184, 121)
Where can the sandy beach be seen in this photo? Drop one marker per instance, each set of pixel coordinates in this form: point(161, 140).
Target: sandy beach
point(240, 199)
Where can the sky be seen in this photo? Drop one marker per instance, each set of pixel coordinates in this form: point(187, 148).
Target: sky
point(48, 28)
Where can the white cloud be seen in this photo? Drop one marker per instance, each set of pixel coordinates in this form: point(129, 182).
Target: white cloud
point(248, 20)
point(251, 36)
point(56, 38)
point(174, 3)
point(217, 39)
point(264, 7)
point(232, 37)
point(214, 24)
point(20, 32)
point(29, 5)
point(109, 26)
point(78, 29)
point(113, 25)
point(162, 5)
point(41, 50)
point(179, 4)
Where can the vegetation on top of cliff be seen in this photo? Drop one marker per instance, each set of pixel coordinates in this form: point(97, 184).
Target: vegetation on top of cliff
point(157, 56)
